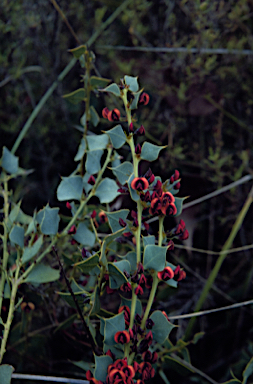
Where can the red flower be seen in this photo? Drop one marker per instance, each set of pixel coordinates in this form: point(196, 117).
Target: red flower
point(146, 370)
point(91, 180)
point(102, 216)
point(131, 128)
point(114, 115)
point(179, 274)
point(144, 99)
point(170, 210)
point(139, 184)
point(140, 131)
point(155, 207)
point(126, 287)
point(138, 290)
point(122, 337)
point(126, 310)
point(105, 112)
point(72, 230)
point(166, 274)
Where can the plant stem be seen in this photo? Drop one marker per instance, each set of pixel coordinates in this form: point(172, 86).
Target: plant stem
point(237, 225)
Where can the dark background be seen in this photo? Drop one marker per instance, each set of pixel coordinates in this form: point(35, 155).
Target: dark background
point(209, 141)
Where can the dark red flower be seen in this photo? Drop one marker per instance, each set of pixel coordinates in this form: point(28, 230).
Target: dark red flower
point(146, 370)
point(179, 274)
point(122, 223)
point(138, 149)
point(128, 371)
point(155, 207)
point(122, 337)
point(171, 209)
point(166, 274)
point(144, 98)
point(139, 184)
point(105, 112)
point(68, 205)
point(109, 353)
point(131, 128)
point(114, 115)
point(126, 287)
point(170, 246)
point(72, 230)
point(138, 290)
point(126, 310)
point(177, 186)
point(149, 324)
point(176, 175)
point(140, 131)
point(115, 374)
point(91, 180)
point(142, 281)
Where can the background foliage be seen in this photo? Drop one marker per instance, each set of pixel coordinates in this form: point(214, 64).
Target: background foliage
point(201, 108)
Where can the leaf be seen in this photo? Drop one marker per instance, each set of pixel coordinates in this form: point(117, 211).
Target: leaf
point(116, 277)
point(30, 252)
point(107, 190)
point(9, 162)
point(98, 82)
point(154, 257)
point(70, 188)
point(81, 150)
point(87, 265)
point(113, 218)
point(87, 187)
point(78, 51)
point(117, 136)
point(5, 373)
point(179, 205)
point(132, 258)
point(101, 367)
point(162, 327)
point(247, 371)
point(96, 142)
point(42, 274)
point(113, 325)
point(50, 221)
point(123, 172)
point(148, 240)
point(94, 117)
point(76, 97)
point(92, 164)
point(95, 297)
point(132, 82)
point(79, 296)
point(197, 336)
point(134, 103)
point(150, 151)
point(84, 236)
point(17, 235)
point(112, 88)
point(107, 241)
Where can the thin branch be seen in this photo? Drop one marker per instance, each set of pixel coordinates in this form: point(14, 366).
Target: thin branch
point(208, 51)
point(22, 376)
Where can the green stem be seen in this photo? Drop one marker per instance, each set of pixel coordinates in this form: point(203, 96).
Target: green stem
point(237, 225)
point(7, 325)
point(5, 248)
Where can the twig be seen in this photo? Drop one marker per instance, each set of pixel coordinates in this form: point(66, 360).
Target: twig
point(87, 330)
point(23, 376)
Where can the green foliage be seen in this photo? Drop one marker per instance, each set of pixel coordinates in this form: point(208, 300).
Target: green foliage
point(42, 274)
point(5, 373)
point(70, 188)
point(154, 257)
point(162, 327)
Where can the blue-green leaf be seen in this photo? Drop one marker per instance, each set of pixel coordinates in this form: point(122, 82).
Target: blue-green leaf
point(101, 367)
point(123, 172)
point(42, 274)
point(9, 162)
point(128, 303)
point(108, 240)
point(162, 327)
point(89, 264)
point(134, 103)
point(81, 150)
point(117, 136)
point(116, 277)
point(78, 51)
point(148, 240)
point(70, 188)
point(247, 371)
point(112, 88)
point(30, 252)
point(5, 373)
point(150, 151)
point(87, 187)
point(107, 190)
point(132, 258)
point(98, 82)
point(50, 221)
point(17, 235)
point(114, 217)
point(154, 257)
point(76, 96)
point(94, 117)
point(113, 325)
point(92, 163)
point(96, 142)
point(179, 205)
point(132, 82)
point(84, 236)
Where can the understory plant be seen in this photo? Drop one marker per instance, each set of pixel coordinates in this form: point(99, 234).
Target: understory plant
point(106, 254)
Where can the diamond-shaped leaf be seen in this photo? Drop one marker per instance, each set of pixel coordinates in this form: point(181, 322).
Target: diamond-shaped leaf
point(150, 151)
point(81, 150)
point(112, 88)
point(117, 136)
point(154, 257)
point(17, 235)
point(76, 97)
point(123, 172)
point(78, 51)
point(96, 142)
point(132, 82)
point(70, 188)
point(114, 217)
point(9, 162)
point(42, 274)
point(30, 252)
point(84, 236)
point(50, 221)
point(107, 190)
point(111, 326)
point(162, 327)
point(98, 82)
point(101, 366)
point(92, 163)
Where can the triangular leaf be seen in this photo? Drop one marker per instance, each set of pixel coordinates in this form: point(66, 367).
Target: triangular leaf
point(247, 371)
point(9, 162)
point(81, 150)
point(123, 172)
point(132, 82)
point(78, 51)
point(5, 373)
point(30, 252)
point(76, 97)
point(89, 264)
point(98, 82)
point(113, 325)
point(154, 257)
point(17, 235)
point(112, 88)
point(70, 188)
point(114, 217)
point(117, 136)
point(84, 236)
point(101, 367)
point(162, 327)
point(50, 221)
point(96, 142)
point(92, 163)
point(116, 277)
point(107, 190)
point(150, 151)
